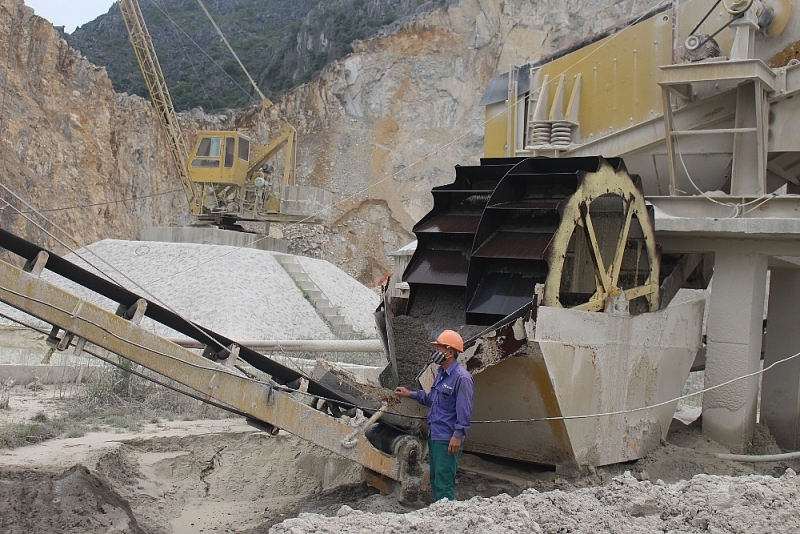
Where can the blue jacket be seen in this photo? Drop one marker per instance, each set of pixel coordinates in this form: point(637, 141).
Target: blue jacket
point(450, 401)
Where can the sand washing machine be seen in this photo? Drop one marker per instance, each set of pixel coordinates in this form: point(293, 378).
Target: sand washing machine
point(550, 269)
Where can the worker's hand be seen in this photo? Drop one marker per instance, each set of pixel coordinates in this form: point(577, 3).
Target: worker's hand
point(403, 392)
point(454, 445)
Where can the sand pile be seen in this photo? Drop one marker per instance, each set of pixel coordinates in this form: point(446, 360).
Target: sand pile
point(222, 476)
point(171, 477)
point(241, 293)
point(74, 501)
point(626, 505)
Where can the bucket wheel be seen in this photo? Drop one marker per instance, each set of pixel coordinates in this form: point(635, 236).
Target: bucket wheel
point(604, 245)
point(578, 227)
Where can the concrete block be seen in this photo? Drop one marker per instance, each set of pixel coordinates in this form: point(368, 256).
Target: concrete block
point(780, 388)
point(344, 331)
point(734, 332)
point(737, 298)
point(213, 236)
point(306, 201)
point(729, 412)
point(734, 429)
point(728, 361)
point(337, 320)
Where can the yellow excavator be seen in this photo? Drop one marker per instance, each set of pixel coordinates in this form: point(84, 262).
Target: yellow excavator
point(226, 178)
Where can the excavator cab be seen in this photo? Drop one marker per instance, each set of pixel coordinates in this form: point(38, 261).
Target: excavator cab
point(235, 179)
point(220, 157)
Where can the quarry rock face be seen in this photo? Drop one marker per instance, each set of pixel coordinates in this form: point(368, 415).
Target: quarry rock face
point(68, 141)
point(378, 128)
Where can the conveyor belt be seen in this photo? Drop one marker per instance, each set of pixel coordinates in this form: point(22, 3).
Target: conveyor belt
point(159, 314)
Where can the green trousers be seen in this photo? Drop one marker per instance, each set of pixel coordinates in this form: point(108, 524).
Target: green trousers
point(443, 469)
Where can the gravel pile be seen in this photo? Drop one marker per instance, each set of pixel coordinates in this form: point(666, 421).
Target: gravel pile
point(705, 503)
point(241, 293)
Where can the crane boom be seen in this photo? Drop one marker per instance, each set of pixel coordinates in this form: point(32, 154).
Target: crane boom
point(227, 180)
point(159, 94)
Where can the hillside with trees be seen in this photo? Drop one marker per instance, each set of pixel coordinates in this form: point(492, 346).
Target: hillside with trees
point(283, 44)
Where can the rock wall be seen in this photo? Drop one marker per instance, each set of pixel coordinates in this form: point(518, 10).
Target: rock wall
point(378, 128)
point(79, 162)
point(392, 119)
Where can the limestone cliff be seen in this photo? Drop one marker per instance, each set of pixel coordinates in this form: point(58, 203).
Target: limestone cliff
point(378, 128)
point(387, 123)
point(79, 162)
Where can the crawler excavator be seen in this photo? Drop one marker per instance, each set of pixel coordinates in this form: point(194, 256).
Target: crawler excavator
point(544, 256)
point(226, 178)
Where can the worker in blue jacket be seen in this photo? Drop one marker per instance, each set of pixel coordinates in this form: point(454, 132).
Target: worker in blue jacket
point(450, 402)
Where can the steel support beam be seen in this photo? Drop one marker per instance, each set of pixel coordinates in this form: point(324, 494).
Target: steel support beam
point(734, 334)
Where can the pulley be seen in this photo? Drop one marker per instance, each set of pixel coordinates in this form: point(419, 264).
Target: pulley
point(699, 46)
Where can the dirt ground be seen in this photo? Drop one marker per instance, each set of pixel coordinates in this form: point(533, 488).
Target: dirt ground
point(223, 476)
point(176, 476)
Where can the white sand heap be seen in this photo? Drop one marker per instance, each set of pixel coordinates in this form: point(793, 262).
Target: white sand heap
point(241, 293)
point(703, 504)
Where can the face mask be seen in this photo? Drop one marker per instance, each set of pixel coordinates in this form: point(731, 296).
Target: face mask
point(438, 357)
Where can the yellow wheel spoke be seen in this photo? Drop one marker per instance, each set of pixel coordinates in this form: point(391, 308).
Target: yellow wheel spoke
point(594, 248)
point(584, 266)
point(623, 240)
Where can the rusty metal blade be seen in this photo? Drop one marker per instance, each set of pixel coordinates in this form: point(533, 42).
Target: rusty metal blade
point(451, 224)
point(444, 267)
point(502, 294)
point(514, 245)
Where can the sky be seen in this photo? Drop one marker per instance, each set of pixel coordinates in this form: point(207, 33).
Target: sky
point(70, 13)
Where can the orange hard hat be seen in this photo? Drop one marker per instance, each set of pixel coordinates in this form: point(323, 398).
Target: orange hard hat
point(451, 339)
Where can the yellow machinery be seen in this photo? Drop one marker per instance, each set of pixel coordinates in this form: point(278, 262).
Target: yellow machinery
point(679, 93)
point(226, 178)
point(697, 97)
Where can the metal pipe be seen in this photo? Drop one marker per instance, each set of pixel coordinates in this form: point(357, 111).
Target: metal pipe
point(759, 458)
point(377, 415)
point(298, 345)
point(713, 131)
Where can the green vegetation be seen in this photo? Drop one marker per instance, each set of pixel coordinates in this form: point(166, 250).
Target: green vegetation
point(283, 43)
point(353, 26)
point(39, 428)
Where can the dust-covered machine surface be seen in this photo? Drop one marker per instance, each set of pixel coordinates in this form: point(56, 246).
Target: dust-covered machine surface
point(516, 254)
point(545, 257)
